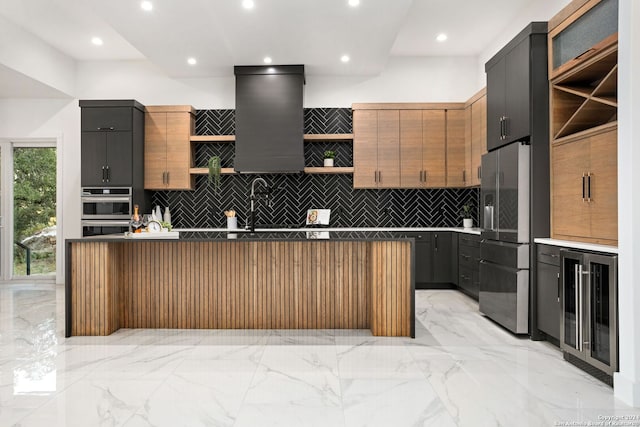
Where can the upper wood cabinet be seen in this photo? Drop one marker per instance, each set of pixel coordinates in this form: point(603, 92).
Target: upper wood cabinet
point(456, 149)
point(376, 148)
point(168, 154)
point(584, 188)
point(517, 87)
point(583, 127)
point(422, 148)
point(475, 136)
point(409, 145)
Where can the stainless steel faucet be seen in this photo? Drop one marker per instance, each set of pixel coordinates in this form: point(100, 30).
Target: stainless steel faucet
point(254, 196)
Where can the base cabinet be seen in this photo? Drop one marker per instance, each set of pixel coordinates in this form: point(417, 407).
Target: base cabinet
point(548, 290)
point(435, 254)
point(469, 264)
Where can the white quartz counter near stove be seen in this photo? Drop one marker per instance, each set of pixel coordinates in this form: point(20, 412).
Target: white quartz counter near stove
point(475, 231)
point(578, 245)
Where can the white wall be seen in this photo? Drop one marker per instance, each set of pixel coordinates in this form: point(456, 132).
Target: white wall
point(627, 381)
point(405, 79)
point(31, 56)
point(55, 119)
point(540, 10)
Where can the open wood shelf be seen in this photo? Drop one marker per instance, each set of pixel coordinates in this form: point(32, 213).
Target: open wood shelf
point(213, 138)
point(330, 170)
point(328, 136)
point(205, 171)
point(585, 96)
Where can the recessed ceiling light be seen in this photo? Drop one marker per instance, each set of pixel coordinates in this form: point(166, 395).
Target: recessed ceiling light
point(192, 61)
point(441, 37)
point(267, 60)
point(97, 41)
point(354, 3)
point(146, 5)
point(345, 58)
point(248, 4)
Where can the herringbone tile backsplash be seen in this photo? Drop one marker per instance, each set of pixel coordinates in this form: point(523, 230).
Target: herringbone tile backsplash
point(294, 194)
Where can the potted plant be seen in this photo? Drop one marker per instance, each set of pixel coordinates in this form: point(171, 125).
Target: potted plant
point(215, 169)
point(466, 214)
point(328, 158)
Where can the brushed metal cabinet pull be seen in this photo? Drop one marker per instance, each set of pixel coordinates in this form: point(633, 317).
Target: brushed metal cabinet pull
point(103, 176)
point(479, 172)
point(578, 279)
point(108, 174)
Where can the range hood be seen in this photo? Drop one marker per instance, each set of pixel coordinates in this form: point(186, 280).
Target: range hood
point(269, 119)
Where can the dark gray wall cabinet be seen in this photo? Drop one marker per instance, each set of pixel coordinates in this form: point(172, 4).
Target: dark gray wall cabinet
point(510, 97)
point(112, 146)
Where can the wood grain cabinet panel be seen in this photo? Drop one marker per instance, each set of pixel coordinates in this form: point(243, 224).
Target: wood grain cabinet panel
point(388, 149)
point(585, 190)
point(365, 148)
point(411, 149)
point(168, 154)
point(434, 148)
point(456, 156)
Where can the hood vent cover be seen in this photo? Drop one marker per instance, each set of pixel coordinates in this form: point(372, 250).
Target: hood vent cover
point(269, 119)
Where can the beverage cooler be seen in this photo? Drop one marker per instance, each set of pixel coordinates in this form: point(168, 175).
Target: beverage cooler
point(589, 326)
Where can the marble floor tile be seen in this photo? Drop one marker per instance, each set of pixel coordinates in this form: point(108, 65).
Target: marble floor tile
point(460, 370)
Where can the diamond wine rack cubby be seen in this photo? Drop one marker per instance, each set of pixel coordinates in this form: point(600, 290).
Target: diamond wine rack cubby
point(586, 96)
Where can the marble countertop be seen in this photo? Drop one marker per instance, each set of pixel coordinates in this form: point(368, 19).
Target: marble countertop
point(578, 245)
point(475, 231)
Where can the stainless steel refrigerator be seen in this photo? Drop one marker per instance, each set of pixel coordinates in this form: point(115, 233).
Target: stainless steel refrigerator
point(504, 250)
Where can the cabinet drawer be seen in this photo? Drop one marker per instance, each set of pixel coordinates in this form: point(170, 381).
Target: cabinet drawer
point(548, 254)
point(108, 118)
point(468, 257)
point(469, 240)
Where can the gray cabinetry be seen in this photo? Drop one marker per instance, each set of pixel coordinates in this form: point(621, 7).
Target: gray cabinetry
point(548, 290)
point(435, 255)
point(512, 103)
point(112, 143)
point(469, 264)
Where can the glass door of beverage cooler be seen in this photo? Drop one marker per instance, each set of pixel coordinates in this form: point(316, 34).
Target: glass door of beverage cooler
point(601, 329)
point(572, 303)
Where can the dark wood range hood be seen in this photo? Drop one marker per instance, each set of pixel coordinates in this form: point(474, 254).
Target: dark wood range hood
point(269, 119)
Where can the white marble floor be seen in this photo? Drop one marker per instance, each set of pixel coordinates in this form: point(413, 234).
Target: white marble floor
point(461, 370)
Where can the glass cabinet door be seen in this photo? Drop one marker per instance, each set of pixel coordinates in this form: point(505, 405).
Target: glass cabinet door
point(570, 302)
point(602, 310)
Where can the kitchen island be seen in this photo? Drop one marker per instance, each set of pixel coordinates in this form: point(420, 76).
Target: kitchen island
point(241, 281)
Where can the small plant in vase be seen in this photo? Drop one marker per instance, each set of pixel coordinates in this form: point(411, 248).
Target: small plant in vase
point(328, 158)
point(467, 215)
point(215, 169)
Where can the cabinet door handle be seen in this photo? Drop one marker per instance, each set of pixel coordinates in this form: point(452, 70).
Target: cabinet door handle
point(589, 187)
point(436, 242)
point(107, 128)
point(379, 176)
point(501, 133)
point(583, 187)
point(479, 172)
point(549, 254)
point(168, 178)
point(108, 174)
point(103, 178)
point(506, 126)
point(559, 287)
point(464, 175)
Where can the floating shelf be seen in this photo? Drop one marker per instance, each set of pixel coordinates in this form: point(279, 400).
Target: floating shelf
point(205, 171)
point(213, 138)
point(331, 170)
point(328, 136)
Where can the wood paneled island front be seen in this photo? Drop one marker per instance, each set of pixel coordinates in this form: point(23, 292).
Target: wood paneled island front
point(244, 283)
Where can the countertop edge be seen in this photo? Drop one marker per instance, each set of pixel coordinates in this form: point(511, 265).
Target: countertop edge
point(577, 245)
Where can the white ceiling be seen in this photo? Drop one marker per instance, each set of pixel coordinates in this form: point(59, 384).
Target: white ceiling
point(221, 34)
